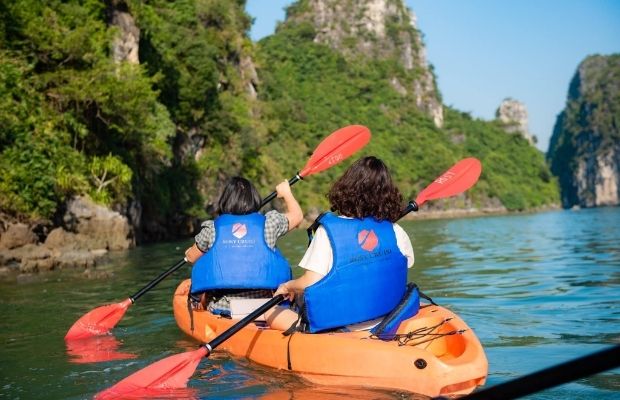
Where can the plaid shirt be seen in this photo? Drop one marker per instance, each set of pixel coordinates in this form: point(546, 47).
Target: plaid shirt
point(276, 225)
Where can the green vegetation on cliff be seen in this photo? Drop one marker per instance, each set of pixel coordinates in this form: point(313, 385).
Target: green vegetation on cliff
point(166, 132)
point(310, 89)
point(586, 136)
point(198, 50)
point(73, 120)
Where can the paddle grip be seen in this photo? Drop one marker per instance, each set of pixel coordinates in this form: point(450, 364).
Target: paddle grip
point(413, 206)
point(156, 281)
point(273, 195)
point(245, 321)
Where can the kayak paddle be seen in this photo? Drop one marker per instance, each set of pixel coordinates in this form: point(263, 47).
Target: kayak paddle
point(460, 177)
point(335, 148)
point(553, 376)
point(173, 372)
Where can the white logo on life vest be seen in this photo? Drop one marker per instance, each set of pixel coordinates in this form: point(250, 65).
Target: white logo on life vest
point(239, 243)
point(239, 230)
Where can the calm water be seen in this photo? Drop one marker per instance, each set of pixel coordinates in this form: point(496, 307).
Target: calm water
point(538, 290)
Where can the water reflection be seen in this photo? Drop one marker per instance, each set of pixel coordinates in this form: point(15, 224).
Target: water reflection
point(335, 393)
point(96, 349)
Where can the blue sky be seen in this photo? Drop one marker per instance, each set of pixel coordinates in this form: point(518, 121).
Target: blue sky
point(486, 50)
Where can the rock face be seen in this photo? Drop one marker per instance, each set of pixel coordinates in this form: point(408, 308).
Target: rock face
point(125, 45)
point(584, 151)
point(102, 227)
point(89, 231)
point(513, 114)
point(379, 29)
point(17, 235)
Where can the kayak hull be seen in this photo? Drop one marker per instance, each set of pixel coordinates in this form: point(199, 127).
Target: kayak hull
point(449, 360)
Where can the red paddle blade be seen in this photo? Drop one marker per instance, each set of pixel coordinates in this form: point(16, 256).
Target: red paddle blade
point(454, 181)
point(170, 373)
point(98, 321)
point(338, 146)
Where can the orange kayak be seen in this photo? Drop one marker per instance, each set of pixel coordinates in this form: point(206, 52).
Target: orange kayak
point(437, 354)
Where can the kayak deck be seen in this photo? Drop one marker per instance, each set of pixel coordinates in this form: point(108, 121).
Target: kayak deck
point(437, 353)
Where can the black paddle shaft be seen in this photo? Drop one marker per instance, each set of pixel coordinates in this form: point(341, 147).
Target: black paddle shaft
point(245, 321)
point(156, 281)
point(273, 195)
point(412, 206)
point(562, 373)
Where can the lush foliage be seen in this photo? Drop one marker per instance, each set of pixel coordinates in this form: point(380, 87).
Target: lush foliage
point(312, 90)
point(69, 112)
point(75, 121)
point(195, 49)
point(166, 133)
point(513, 171)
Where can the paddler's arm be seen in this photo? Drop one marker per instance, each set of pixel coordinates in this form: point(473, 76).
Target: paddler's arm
point(291, 288)
point(202, 242)
point(293, 213)
point(193, 253)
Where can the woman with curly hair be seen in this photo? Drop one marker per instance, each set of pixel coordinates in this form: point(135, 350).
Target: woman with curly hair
point(356, 265)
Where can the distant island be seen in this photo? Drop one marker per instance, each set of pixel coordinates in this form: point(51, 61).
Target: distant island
point(584, 151)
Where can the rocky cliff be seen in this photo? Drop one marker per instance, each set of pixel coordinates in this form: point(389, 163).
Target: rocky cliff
point(207, 81)
point(86, 231)
point(333, 63)
point(513, 115)
point(377, 29)
point(584, 151)
point(125, 45)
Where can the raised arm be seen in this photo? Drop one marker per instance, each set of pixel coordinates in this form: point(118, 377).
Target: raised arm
point(293, 213)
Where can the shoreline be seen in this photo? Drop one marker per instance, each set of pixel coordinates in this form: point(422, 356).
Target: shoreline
point(472, 212)
point(89, 260)
point(457, 213)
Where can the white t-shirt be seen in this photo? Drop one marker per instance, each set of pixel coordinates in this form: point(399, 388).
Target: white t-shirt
point(319, 257)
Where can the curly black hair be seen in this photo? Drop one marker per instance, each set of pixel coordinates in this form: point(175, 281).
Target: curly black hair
point(366, 190)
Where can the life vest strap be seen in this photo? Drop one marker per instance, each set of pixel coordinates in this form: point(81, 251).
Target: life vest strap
point(299, 325)
point(425, 297)
point(315, 225)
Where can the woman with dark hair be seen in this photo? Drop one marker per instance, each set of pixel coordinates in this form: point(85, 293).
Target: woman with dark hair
point(356, 265)
point(235, 255)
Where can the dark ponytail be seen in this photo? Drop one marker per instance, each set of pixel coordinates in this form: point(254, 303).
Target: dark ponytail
point(238, 197)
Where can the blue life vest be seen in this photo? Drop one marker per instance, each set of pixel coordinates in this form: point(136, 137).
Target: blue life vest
point(367, 279)
point(240, 257)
